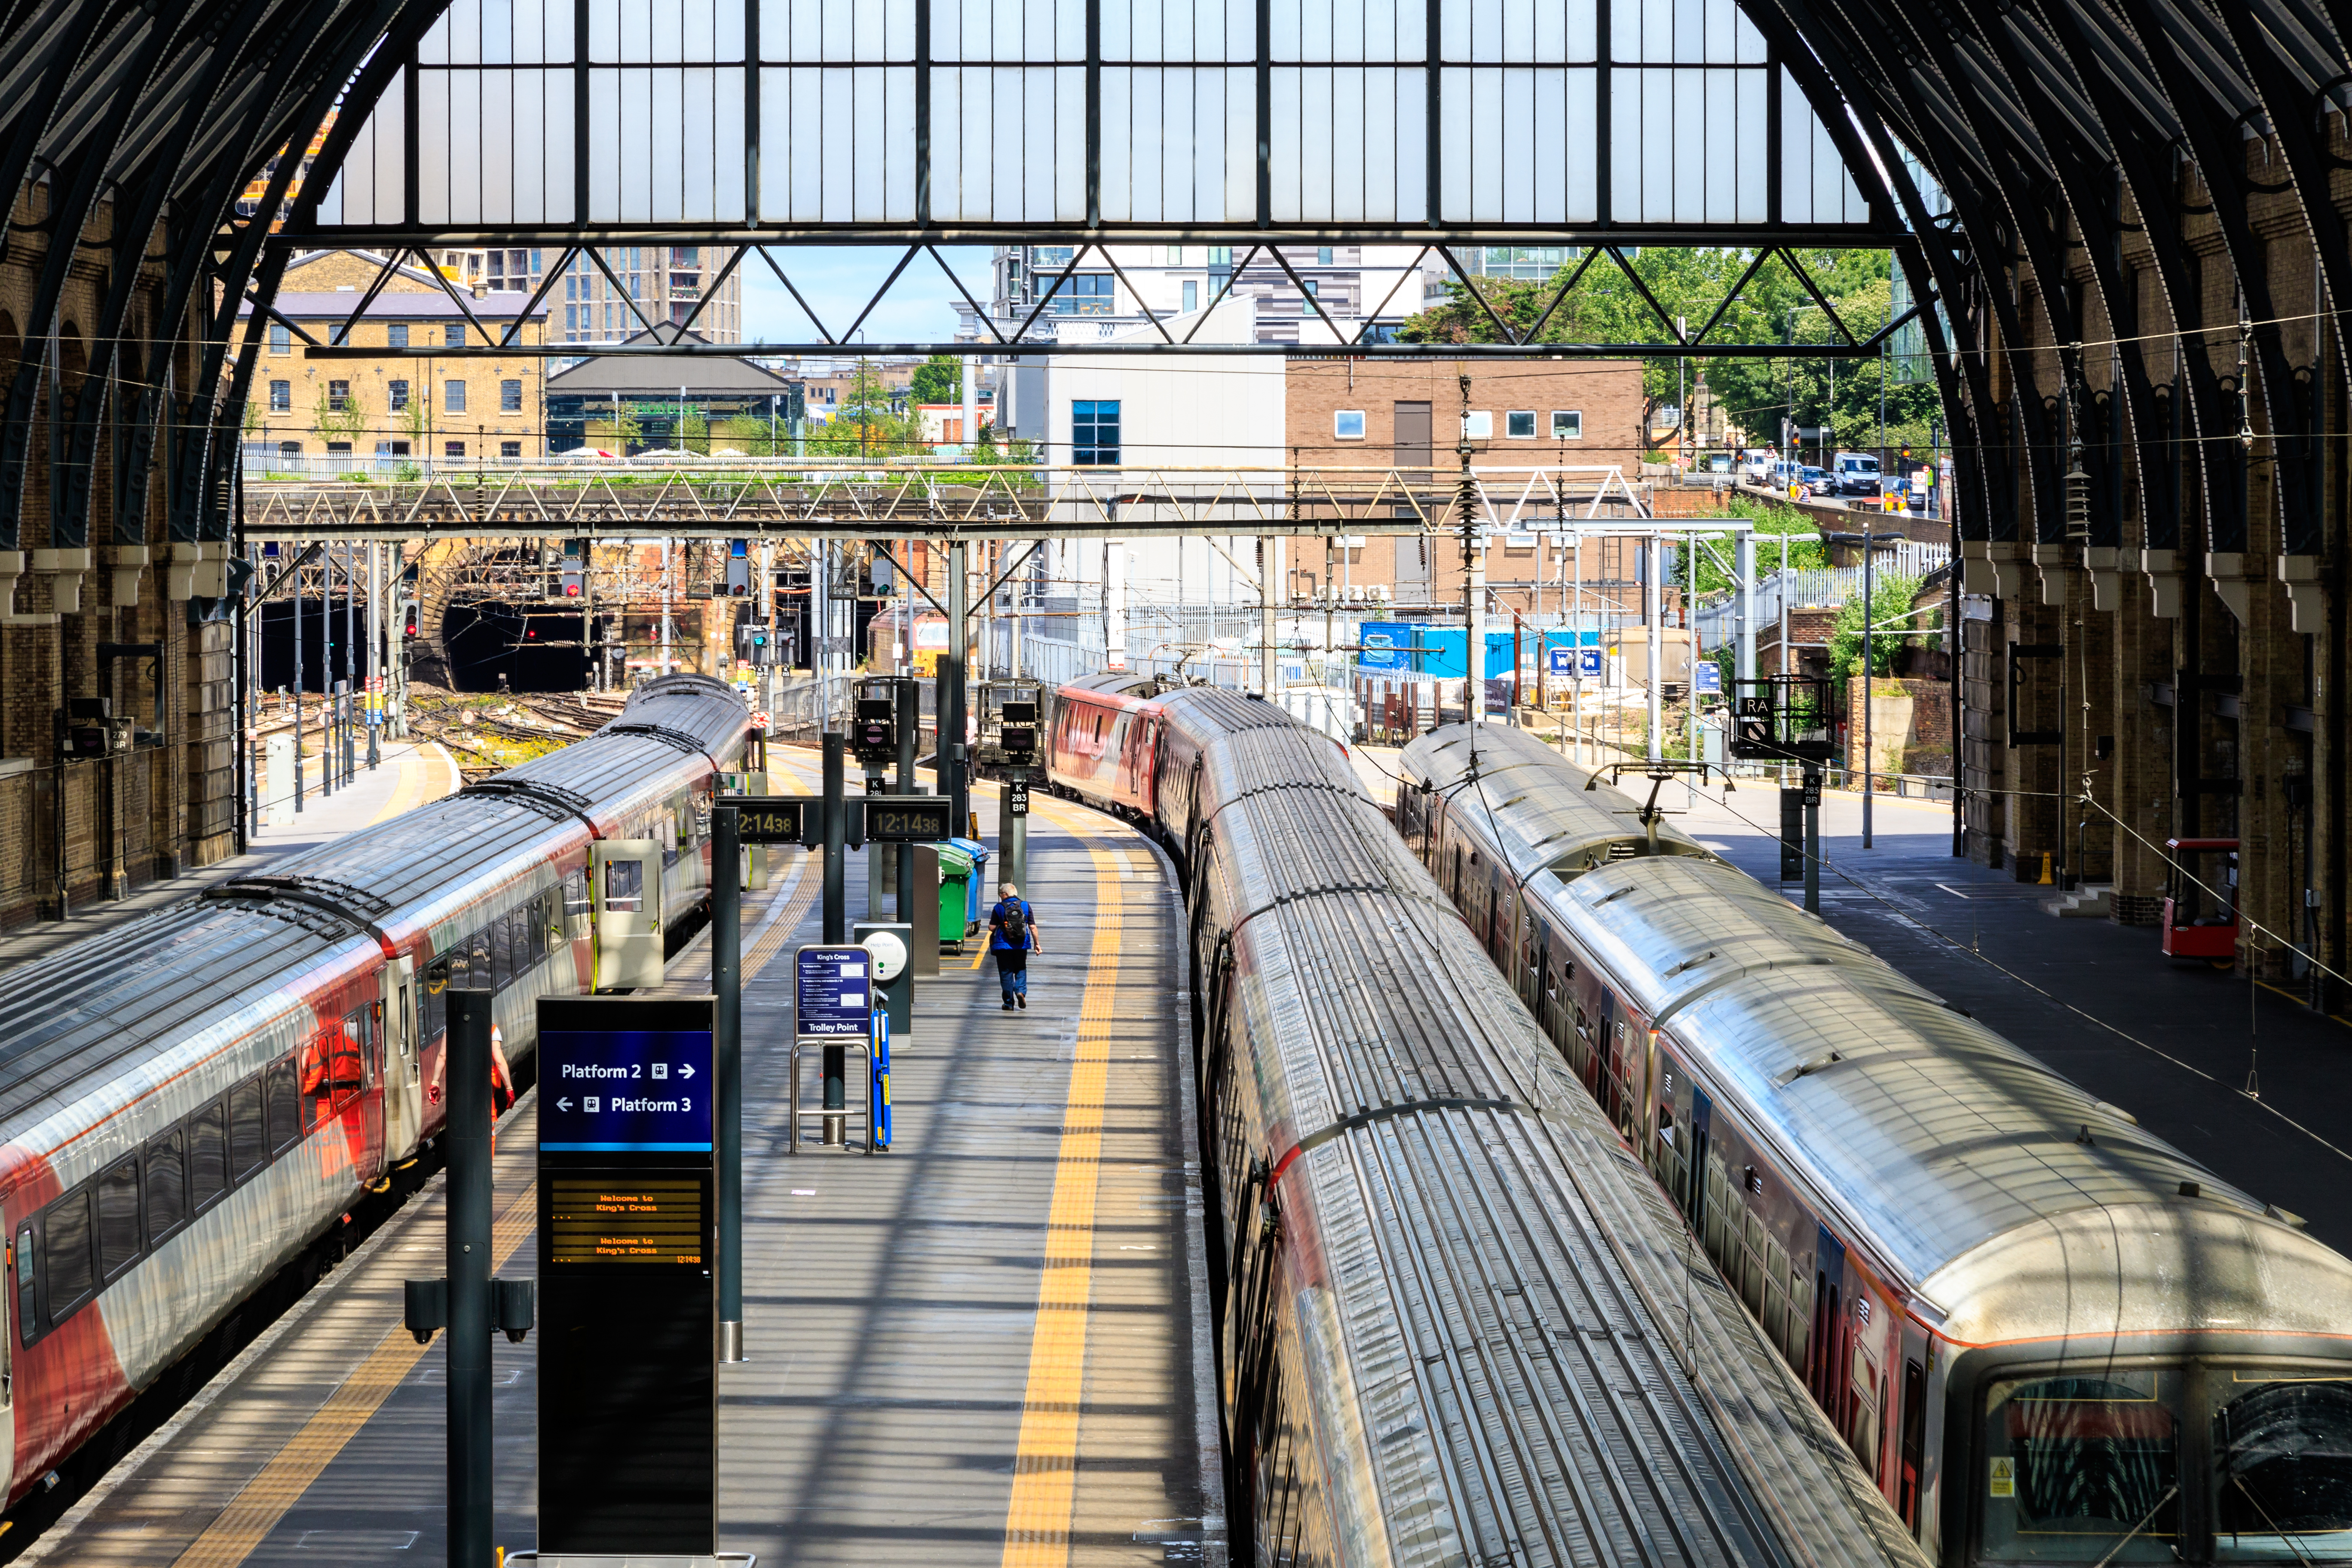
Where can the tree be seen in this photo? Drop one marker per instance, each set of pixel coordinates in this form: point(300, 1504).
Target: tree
point(1772, 306)
point(751, 435)
point(1890, 602)
point(337, 419)
point(866, 425)
point(938, 379)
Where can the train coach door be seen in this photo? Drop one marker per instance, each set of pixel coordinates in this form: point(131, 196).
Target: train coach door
point(403, 1075)
point(1824, 1360)
point(627, 899)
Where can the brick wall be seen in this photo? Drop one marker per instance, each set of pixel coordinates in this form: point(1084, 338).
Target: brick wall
point(1910, 725)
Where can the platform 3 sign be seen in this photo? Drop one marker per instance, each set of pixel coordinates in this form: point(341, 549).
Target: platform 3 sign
point(628, 1309)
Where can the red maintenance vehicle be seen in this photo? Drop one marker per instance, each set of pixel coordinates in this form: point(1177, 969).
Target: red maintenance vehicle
point(2200, 900)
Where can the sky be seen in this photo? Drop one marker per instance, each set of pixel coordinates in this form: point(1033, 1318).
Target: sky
point(838, 280)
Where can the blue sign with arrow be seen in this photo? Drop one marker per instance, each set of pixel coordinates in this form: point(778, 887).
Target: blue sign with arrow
point(612, 1090)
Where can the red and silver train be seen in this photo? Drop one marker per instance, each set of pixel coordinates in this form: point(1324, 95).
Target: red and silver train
point(189, 1101)
point(2047, 1335)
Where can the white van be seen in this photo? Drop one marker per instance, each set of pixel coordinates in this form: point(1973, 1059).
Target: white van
point(1854, 474)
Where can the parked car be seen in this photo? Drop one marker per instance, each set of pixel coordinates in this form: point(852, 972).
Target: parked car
point(1856, 474)
point(1756, 468)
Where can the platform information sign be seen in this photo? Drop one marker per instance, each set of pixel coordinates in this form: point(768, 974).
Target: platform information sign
point(615, 1090)
point(628, 1391)
point(1591, 663)
point(833, 993)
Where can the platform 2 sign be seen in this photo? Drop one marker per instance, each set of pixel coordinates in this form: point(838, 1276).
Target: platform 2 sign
point(628, 1388)
point(833, 993)
point(612, 1090)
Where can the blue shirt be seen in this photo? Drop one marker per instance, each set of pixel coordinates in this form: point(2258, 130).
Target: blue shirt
point(996, 942)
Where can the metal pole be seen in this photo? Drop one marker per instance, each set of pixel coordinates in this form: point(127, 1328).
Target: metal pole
point(350, 663)
point(1654, 617)
point(1265, 619)
point(727, 1007)
point(837, 923)
point(375, 646)
point(297, 549)
point(1813, 838)
point(1869, 613)
point(466, 1256)
point(951, 725)
point(1474, 574)
point(908, 695)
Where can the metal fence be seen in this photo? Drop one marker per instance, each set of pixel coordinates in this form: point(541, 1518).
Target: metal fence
point(1821, 586)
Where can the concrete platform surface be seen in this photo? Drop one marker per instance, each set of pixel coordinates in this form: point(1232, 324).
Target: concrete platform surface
point(989, 1345)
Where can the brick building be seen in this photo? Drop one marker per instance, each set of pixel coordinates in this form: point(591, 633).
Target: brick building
point(1532, 425)
point(322, 416)
point(157, 792)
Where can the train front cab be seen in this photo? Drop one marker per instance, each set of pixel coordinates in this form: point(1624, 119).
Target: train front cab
point(2166, 1458)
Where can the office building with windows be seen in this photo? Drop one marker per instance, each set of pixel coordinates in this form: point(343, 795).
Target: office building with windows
point(404, 412)
point(1303, 294)
point(636, 289)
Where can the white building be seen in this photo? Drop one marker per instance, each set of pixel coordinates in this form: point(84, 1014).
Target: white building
point(1114, 290)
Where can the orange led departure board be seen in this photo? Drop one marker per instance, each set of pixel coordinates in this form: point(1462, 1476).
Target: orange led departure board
point(611, 1218)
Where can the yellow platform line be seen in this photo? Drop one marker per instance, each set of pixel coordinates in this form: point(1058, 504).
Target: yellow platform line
point(1045, 1466)
point(264, 1500)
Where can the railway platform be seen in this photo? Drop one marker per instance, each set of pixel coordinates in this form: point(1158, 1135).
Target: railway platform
point(2176, 1045)
point(988, 1345)
point(409, 774)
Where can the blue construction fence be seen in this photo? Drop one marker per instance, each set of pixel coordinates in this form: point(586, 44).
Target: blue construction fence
point(1414, 648)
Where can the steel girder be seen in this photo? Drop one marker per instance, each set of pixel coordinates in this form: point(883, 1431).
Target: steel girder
point(2036, 120)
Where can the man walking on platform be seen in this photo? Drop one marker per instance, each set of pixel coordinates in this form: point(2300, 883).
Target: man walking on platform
point(1012, 937)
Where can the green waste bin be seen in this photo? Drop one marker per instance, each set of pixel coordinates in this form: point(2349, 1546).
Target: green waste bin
point(956, 870)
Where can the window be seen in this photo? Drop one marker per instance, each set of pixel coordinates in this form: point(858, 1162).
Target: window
point(453, 334)
point(502, 964)
point(65, 1253)
point(1085, 294)
point(453, 448)
point(1175, 256)
point(570, 315)
point(247, 1151)
point(1478, 425)
point(207, 1155)
point(1192, 294)
point(483, 972)
point(339, 333)
point(510, 397)
point(1348, 423)
point(1322, 258)
point(1313, 286)
point(117, 1218)
point(395, 336)
point(1519, 424)
point(396, 394)
point(1567, 424)
point(281, 397)
point(453, 396)
point(1044, 257)
point(285, 1106)
point(433, 1000)
point(575, 895)
point(28, 1307)
point(338, 449)
point(289, 451)
point(1094, 430)
point(339, 395)
point(510, 448)
point(281, 339)
point(2082, 1467)
point(624, 886)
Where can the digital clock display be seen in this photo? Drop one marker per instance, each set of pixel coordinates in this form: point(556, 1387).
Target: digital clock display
point(767, 821)
point(923, 822)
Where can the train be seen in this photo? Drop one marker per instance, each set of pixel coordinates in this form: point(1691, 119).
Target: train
point(1455, 1321)
point(191, 1101)
point(2047, 1334)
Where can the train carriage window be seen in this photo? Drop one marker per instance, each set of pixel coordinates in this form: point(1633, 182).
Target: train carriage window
point(28, 1306)
point(117, 1218)
point(433, 1001)
point(576, 904)
point(458, 964)
point(167, 1186)
point(1914, 1444)
point(535, 922)
point(479, 972)
point(248, 1151)
point(2282, 1465)
point(502, 963)
point(285, 1106)
point(66, 1254)
point(207, 1155)
point(1866, 1395)
point(624, 886)
point(2082, 1467)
